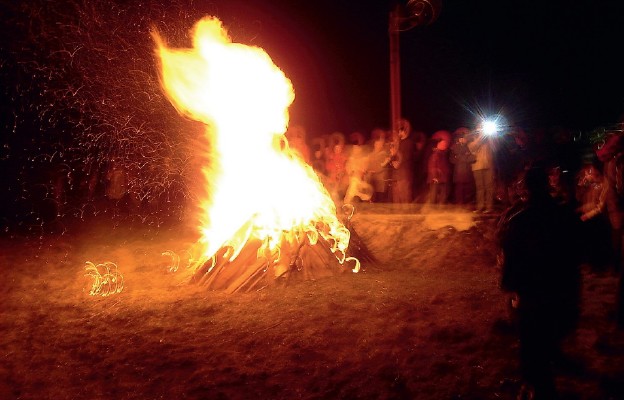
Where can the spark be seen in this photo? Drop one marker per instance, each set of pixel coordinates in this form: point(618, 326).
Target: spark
point(80, 77)
point(107, 280)
point(175, 260)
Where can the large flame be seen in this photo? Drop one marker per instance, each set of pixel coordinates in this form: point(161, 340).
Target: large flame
point(258, 187)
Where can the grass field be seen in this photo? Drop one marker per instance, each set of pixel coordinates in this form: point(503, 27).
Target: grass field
point(428, 321)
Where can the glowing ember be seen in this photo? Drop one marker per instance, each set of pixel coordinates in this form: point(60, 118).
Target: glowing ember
point(259, 190)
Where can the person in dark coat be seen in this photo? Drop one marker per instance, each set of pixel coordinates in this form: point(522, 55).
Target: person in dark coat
point(462, 158)
point(439, 173)
point(611, 154)
point(542, 267)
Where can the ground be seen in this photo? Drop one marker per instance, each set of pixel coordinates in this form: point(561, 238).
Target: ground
point(427, 321)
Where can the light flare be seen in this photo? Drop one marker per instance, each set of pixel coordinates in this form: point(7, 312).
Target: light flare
point(490, 127)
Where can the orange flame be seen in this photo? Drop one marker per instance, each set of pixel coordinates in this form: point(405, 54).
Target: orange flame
point(259, 187)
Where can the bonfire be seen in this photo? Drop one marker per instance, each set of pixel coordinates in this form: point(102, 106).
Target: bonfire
point(266, 215)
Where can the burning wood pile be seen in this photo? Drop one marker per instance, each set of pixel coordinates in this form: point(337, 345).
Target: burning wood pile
point(257, 267)
point(266, 214)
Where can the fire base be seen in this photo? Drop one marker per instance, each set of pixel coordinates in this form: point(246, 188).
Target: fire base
point(251, 270)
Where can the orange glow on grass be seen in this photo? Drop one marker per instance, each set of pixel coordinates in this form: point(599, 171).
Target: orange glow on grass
point(257, 187)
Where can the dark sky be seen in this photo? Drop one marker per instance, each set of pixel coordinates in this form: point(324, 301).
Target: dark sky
point(554, 63)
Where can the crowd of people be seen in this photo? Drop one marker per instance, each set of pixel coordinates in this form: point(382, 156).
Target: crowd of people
point(558, 200)
point(448, 167)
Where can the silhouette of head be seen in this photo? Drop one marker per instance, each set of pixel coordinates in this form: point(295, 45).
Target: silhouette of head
point(536, 181)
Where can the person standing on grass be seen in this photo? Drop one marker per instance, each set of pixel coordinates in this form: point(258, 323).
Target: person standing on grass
point(483, 170)
point(462, 158)
point(611, 154)
point(541, 265)
point(438, 174)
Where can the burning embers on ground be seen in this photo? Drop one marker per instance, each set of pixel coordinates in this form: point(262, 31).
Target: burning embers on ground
point(265, 213)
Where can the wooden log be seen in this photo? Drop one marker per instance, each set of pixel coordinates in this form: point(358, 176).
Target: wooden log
point(297, 261)
point(358, 249)
point(232, 269)
point(250, 276)
point(211, 267)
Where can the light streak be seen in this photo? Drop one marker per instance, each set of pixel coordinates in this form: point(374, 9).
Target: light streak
point(175, 260)
point(107, 280)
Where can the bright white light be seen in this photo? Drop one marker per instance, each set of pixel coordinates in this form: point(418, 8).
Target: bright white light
point(489, 127)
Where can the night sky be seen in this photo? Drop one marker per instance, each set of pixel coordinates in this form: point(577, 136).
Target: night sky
point(80, 87)
point(552, 64)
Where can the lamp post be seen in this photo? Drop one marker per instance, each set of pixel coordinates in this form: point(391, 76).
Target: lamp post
point(402, 18)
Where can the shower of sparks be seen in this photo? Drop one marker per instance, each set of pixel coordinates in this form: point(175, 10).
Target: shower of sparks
point(83, 92)
point(106, 279)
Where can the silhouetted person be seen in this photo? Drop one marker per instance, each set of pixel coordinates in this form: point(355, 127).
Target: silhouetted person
point(462, 158)
point(438, 174)
point(419, 186)
point(591, 195)
point(541, 265)
point(611, 154)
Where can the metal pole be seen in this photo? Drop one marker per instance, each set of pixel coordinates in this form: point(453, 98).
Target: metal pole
point(395, 71)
